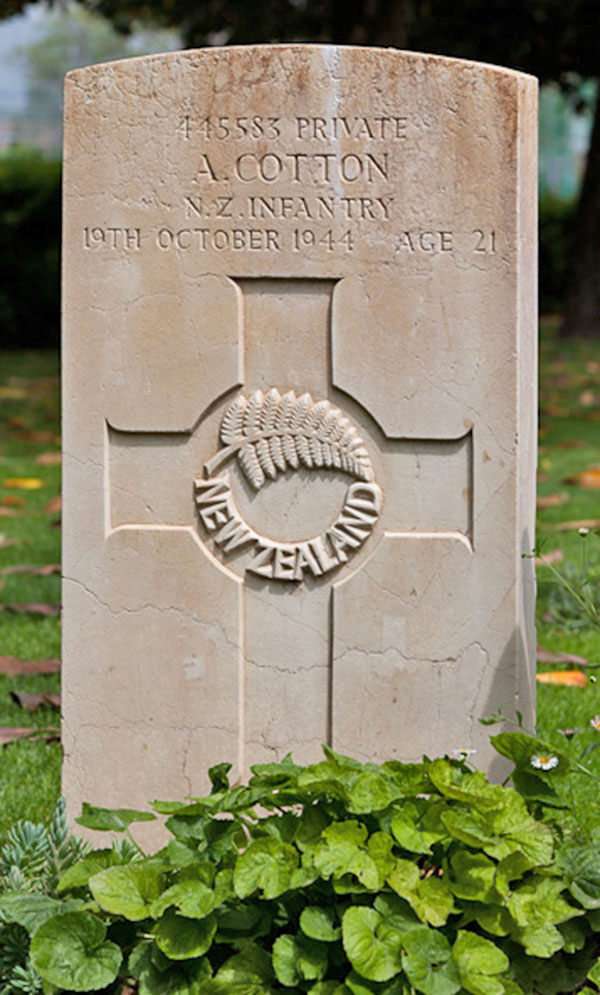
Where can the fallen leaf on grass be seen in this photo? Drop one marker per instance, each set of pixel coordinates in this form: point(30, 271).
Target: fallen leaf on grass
point(28, 568)
point(592, 366)
point(587, 398)
point(588, 479)
point(12, 394)
point(48, 459)
point(581, 523)
point(547, 656)
point(571, 678)
point(35, 608)
point(31, 701)
point(554, 411)
point(5, 543)
point(53, 505)
point(13, 501)
point(30, 435)
point(571, 444)
point(547, 559)
point(552, 500)
point(7, 512)
point(23, 483)
point(13, 666)
point(9, 734)
point(542, 478)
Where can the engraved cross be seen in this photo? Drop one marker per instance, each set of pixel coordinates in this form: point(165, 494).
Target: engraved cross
point(313, 515)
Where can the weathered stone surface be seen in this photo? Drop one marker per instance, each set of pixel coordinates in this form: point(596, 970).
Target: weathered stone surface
point(299, 383)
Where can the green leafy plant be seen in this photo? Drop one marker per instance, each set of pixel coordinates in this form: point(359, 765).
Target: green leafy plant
point(32, 861)
point(338, 878)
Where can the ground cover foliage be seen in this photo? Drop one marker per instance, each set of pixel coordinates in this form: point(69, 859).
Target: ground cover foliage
point(337, 879)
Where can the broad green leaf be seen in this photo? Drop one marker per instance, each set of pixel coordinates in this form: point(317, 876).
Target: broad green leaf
point(180, 938)
point(157, 975)
point(29, 911)
point(343, 762)
point(396, 912)
point(214, 986)
point(372, 948)
point(339, 846)
point(128, 890)
point(510, 868)
point(520, 748)
point(495, 919)
point(539, 941)
point(471, 788)
point(427, 963)
point(379, 848)
point(311, 824)
point(267, 864)
point(478, 960)
point(79, 874)
point(71, 951)
point(245, 922)
point(538, 901)
point(534, 788)
point(327, 780)
point(179, 854)
point(358, 985)
point(407, 828)
point(515, 830)
point(285, 961)
point(430, 897)
point(468, 827)
point(317, 922)
point(371, 792)
point(575, 933)
point(192, 893)
point(594, 973)
point(116, 820)
point(296, 959)
point(581, 865)
point(281, 772)
point(410, 779)
point(329, 988)
point(251, 965)
point(473, 877)
point(218, 777)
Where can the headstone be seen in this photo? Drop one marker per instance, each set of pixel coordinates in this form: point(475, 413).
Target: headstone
point(299, 433)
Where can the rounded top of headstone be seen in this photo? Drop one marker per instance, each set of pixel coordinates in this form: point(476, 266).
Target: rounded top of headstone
point(333, 58)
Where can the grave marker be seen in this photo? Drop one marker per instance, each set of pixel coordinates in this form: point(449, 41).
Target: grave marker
point(299, 387)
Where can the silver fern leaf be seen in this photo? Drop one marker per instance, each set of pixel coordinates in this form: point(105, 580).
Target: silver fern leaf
point(271, 433)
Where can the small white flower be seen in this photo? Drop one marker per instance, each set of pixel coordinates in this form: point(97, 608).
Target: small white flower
point(595, 722)
point(544, 761)
point(583, 531)
point(463, 754)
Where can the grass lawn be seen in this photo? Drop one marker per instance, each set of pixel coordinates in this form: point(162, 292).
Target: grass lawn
point(29, 430)
point(30, 480)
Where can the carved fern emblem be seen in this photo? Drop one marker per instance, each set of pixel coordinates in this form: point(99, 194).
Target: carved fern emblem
point(271, 433)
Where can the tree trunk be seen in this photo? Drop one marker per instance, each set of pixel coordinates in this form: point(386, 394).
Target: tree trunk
point(581, 318)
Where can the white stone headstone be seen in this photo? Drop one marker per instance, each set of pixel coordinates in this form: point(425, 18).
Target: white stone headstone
point(299, 390)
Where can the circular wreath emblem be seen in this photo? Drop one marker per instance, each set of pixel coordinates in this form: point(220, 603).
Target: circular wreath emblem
point(273, 433)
